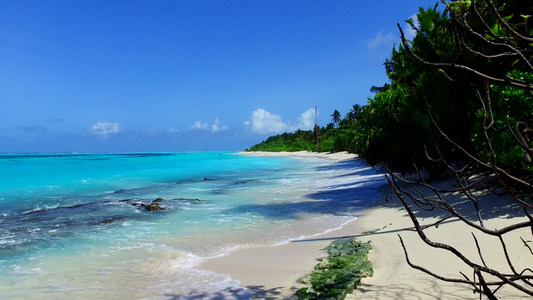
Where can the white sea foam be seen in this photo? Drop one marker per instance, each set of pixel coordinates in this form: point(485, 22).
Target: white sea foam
point(35, 209)
point(46, 207)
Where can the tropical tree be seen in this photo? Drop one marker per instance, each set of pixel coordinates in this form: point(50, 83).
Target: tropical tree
point(353, 114)
point(395, 128)
point(336, 118)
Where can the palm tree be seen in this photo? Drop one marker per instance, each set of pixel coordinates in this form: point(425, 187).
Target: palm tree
point(336, 118)
point(379, 89)
point(353, 114)
point(356, 109)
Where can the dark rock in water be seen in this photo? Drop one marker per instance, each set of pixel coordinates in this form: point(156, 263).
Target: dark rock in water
point(246, 181)
point(134, 202)
point(139, 203)
point(155, 204)
point(152, 207)
point(107, 221)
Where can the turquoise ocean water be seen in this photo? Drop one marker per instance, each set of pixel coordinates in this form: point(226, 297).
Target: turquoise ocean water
point(71, 226)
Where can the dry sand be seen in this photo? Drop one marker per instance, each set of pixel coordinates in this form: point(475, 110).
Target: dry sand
point(333, 156)
point(271, 272)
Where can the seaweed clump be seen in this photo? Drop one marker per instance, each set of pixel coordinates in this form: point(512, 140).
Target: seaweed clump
point(339, 273)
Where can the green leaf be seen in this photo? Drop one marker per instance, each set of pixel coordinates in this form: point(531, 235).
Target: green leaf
point(506, 19)
point(496, 29)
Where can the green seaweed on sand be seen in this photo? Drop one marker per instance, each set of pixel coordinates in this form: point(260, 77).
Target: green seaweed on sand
point(339, 273)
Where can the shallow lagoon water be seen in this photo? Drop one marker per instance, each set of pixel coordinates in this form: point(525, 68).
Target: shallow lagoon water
point(68, 228)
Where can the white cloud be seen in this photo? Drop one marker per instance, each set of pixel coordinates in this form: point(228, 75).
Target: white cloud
point(408, 31)
point(382, 39)
point(199, 125)
point(264, 122)
point(307, 119)
point(105, 128)
point(215, 127)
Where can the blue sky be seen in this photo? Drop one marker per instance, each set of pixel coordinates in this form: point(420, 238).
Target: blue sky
point(202, 75)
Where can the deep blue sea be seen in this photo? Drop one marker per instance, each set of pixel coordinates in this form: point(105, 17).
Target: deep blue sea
point(73, 226)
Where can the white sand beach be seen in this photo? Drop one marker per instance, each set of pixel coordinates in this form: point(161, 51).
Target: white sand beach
point(271, 272)
point(333, 156)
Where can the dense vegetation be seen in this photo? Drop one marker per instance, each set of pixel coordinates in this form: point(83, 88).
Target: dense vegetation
point(300, 140)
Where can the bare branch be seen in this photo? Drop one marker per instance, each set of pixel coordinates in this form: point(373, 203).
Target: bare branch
point(502, 22)
point(479, 250)
point(506, 279)
point(525, 244)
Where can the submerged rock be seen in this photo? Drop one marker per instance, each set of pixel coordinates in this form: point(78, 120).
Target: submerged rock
point(152, 207)
point(156, 204)
point(246, 181)
point(108, 220)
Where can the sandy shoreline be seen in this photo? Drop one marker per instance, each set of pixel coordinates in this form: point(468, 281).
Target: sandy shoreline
point(333, 156)
point(271, 272)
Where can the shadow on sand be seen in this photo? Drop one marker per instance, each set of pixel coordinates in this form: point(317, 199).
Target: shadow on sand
point(335, 199)
point(247, 292)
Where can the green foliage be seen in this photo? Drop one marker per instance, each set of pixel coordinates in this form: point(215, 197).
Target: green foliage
point(512, 106)
point(339, 273)
point(299, 140)
point(395, 129)
point(336, 117)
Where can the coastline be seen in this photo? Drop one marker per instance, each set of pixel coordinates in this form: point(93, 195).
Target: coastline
point(270, 272)
point(332, 156)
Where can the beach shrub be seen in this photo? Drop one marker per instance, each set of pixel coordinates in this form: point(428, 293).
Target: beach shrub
point(339, 273)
